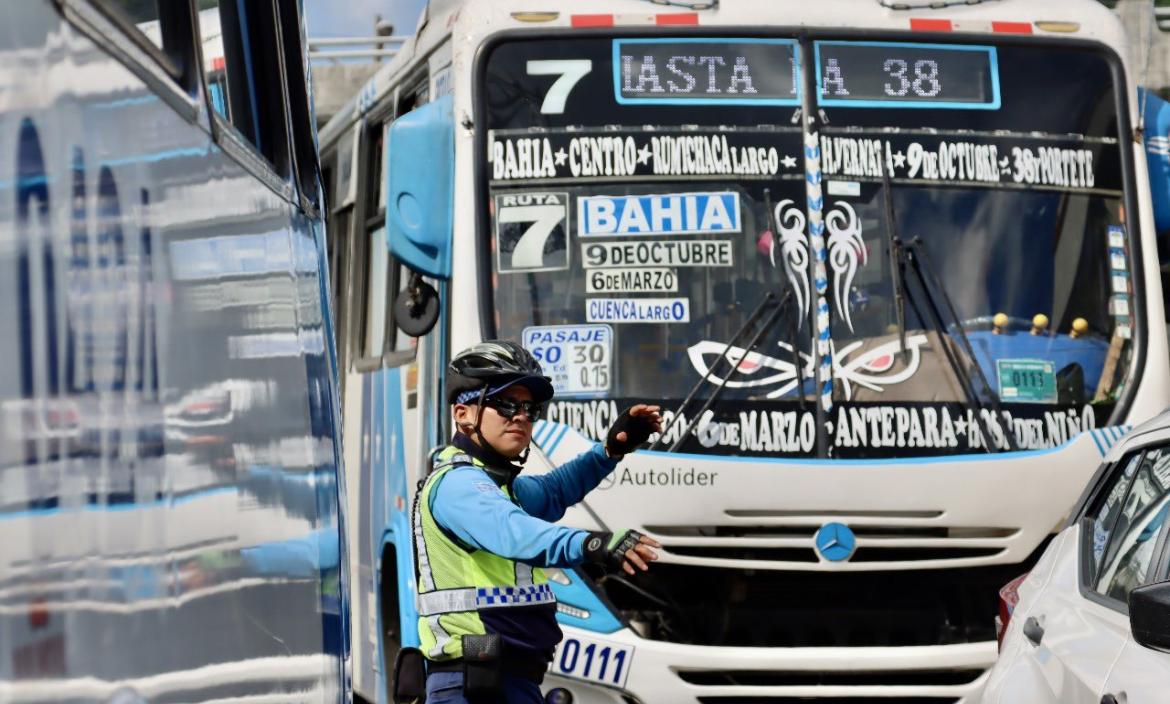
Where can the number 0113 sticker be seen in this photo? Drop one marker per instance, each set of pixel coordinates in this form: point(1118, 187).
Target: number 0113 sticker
point(578, 358)
point(531, 232)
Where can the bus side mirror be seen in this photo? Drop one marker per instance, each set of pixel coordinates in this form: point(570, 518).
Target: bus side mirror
point(1157, 139)
point(420, 184)
point(1149, 615)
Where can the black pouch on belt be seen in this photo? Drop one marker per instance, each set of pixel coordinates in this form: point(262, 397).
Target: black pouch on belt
point(482, 665)
point(410, 677)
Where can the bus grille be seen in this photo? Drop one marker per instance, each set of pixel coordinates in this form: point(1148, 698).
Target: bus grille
point(703, 605)
point(897, 545)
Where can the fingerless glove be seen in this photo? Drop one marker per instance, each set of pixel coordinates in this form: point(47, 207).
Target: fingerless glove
point(609, 549)
point(636, 428)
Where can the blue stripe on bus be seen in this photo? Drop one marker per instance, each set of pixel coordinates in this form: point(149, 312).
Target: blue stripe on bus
point(546, 432)
point(557, 440)
point(1100, 448)
point(543, 432)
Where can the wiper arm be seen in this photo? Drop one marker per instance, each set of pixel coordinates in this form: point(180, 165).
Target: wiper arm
point(778, 307)
point(914, 254)
point(896, 273)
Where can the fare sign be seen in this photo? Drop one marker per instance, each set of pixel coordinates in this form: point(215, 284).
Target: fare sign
point(705, 71)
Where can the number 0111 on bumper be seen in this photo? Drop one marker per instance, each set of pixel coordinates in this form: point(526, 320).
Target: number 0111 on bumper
point(593, 660)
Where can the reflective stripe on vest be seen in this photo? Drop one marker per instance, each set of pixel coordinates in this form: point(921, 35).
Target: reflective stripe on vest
point(453, 600)
point(427, 583)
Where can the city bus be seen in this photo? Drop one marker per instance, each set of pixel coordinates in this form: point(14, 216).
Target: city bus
point(889, 267)
point(171, 497)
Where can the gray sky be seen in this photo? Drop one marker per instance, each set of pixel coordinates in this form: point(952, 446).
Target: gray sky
point(352, 18)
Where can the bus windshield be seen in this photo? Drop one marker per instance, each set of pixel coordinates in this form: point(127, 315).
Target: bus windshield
point(641, 197)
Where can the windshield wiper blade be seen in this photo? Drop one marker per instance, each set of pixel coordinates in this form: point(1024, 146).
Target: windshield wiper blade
point(914, 254)
point(896, 274)
point(778, 307)
point(759, 310)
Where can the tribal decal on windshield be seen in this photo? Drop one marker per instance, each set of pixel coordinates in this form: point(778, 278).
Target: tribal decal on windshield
point(870, 369)
point(790, 222)
point(846, 254)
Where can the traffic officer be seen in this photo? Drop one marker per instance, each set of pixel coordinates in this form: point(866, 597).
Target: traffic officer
point(487, 615)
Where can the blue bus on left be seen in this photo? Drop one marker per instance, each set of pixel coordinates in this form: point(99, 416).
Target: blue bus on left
point(170, 502)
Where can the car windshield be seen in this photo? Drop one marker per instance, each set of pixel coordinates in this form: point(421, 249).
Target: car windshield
point(643, 196)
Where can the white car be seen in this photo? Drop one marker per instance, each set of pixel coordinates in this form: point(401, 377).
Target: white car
point(1090, 624)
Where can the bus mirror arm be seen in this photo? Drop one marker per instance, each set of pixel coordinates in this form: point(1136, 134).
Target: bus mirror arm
point(416, 307)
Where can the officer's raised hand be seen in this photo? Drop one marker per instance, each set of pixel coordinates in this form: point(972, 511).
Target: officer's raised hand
point(623, 550)
point(632, 428)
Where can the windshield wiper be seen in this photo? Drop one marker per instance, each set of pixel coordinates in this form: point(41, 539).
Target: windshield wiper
point(769, 301)
point(896, 273)
point(913, 254)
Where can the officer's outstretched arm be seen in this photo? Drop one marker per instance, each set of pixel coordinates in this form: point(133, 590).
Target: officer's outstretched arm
point(469, 505)
point(549, 495)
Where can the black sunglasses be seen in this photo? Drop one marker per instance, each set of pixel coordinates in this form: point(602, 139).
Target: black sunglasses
point(509, 408)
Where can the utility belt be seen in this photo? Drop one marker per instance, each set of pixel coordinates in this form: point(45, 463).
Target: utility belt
point(510, 661)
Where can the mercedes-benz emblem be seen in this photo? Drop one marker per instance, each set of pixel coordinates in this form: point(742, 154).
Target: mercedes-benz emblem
point(835, 542)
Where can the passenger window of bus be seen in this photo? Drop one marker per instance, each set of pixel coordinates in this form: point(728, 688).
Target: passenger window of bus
point(338, 238)
point(161, 29)
point(376, 291)
point(375, 201)
point(214, 62)
point(241, 66)
point(1134, 537)
point(299, 107)
point(343, 187)
point(381, 269)
point(144, 15)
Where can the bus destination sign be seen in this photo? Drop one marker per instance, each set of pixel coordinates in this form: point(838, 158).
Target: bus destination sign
point(900, 75)
point(687, 71)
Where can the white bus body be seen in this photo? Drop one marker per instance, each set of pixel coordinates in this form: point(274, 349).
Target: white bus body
point(856, 562)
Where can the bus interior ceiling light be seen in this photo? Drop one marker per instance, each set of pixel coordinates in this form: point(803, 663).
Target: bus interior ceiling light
point(1056, 26)
point(535, 16)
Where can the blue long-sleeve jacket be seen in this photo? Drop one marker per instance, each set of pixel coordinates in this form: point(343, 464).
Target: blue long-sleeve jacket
point(469, 505)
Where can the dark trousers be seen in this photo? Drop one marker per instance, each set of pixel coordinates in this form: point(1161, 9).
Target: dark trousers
point(447, 688)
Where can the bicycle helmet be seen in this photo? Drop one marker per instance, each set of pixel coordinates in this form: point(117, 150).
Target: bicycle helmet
point(496, 365)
